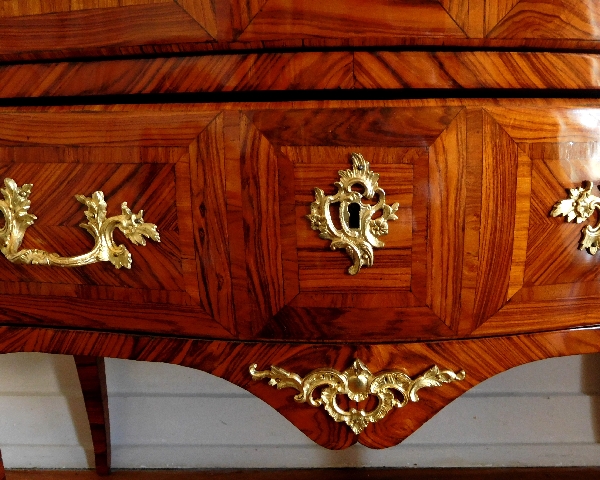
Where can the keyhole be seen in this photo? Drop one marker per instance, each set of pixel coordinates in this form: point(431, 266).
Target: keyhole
point(354, 214)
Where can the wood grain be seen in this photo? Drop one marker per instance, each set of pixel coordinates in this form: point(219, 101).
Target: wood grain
point(521, 236)
point(214, 73)
point(468, 15)
point(337, 318)
point(459, 11)
point(286, 187)
point(552, 254)
point(89, 29)
point(211, 252)
point(314, 145)
point(547, 19)
point(203, 11)
point(40, 7)
point(302, 71)
point(549, 125)
point(319, 266)
point(420, 225)
point(239, 15)
point(144, 187)
point(495, 11)
point(62, 29)
point(78, 310)
point(281, 19)
point(166, 158)
point(244, 305)
point(556, 276)
point(262, 237)
point(92, 378)
point(500, 164)
point(475, 70)
point(131, 156)
point(135, 126)
point(473, 208)
point(445, 246)
point(404, 127)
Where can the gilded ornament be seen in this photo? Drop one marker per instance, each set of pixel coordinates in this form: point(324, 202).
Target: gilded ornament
point(15, 208)
point(579, 207)
point(359, 232)
point(358, 383)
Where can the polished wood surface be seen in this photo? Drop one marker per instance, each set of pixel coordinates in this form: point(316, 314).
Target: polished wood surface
point(79, 26)
point(146, 159)
point(480, 358)
point(36, 29)
point(474, 269)
point(92, 378)
point(475, 251)
point(475, 274)
point(329, 70)
point(474, 70)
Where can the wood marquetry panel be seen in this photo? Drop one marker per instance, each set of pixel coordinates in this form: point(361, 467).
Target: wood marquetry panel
point(551, 281)
point(495, 11)
point(498, 206)
point(37, 29)
point(168, 163)
point(564, 19)
point(76, 25)
point(281, 19)
point(445, 245)
point(299, 287)
point(473, 250)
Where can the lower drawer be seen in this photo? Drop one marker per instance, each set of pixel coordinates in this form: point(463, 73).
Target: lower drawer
point(465, 245)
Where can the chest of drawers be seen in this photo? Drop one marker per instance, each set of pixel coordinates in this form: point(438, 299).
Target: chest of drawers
point(224, 121)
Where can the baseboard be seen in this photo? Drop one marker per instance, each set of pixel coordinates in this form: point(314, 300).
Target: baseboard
point(584, 473)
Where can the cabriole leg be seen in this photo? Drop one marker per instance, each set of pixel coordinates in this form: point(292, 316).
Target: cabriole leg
point(93, 385)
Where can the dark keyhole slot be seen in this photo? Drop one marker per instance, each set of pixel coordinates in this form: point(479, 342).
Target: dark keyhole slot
point(354, 212)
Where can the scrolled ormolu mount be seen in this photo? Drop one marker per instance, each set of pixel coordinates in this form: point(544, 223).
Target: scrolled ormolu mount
point(357, 382)
point(359, 232)
point(17, 219)
point(579, 207)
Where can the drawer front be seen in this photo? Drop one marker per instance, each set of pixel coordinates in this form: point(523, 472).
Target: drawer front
point(473, 249)
point(38, 28)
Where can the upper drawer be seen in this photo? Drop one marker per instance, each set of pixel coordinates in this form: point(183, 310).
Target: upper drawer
point(40, 28)
point(473, 249)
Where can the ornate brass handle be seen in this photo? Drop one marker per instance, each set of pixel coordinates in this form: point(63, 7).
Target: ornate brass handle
point(359, 232)
point(15, 208)
point(579, 207)
point(358, 383)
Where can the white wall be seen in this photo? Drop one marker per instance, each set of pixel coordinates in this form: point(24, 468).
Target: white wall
point(545, 413)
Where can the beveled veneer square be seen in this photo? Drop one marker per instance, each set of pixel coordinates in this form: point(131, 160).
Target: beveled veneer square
point(298, 286)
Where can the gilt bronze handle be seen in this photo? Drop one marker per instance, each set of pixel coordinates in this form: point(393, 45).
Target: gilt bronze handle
point(15, 208)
